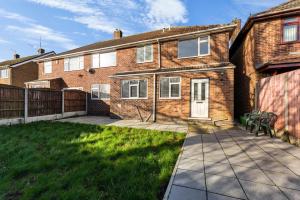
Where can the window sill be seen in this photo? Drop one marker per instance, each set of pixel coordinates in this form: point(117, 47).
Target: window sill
point(134, 98)
point(103, 67)
point(94, 99)
point(200, 56)
point(144, 62)
point(174, 98)
point(292, 42)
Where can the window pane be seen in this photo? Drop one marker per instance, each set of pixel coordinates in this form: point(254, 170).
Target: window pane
point(74, 63)
point(290, 33)
point(148, 53)
point(164, 87)
point(48, 67)
point(96, 61)
point(95, 91)
point(203, 91)
point(175, 80)
point(133, 82)
point(66, 64)
point(125, 89)
point(188, 48)
point(196, 91)
point(108, 59)
point(81, 62)
point(4, 73)
point(104, 91)
point(143, 88)
point(175, 90)
point(140, 54)
point(204, 48)
point(133, 91)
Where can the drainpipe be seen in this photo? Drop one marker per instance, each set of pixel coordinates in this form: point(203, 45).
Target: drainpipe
point(154, 98)
point(159, 54)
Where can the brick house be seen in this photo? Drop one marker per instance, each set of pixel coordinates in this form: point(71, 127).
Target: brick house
point(172, 74)
point(18, 71)
point(268, 44)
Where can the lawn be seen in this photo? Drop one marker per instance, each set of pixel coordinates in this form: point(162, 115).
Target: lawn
point(52, 160)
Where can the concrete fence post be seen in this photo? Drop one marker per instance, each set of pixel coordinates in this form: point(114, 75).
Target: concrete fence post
point(26, 105)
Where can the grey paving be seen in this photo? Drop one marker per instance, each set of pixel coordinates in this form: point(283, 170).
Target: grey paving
point(234, 164)
point(102, 120)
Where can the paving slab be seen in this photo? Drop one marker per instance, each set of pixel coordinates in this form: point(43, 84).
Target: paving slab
point(291, 194)
point(191, 164)
point(183, 193)
point(257, 191)
point(251, 174)
point(212, 196)
point(290, 180)
point(225, 186)
point(221, 169)
point(190, 179)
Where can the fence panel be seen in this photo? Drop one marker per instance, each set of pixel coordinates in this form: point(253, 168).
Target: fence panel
point(44, 102)
point(280, 94)
point(11, 102)
point(74, 100)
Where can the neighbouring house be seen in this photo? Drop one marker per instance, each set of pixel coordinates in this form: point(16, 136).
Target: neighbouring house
point(19, 70)
point(268, 44)
point(172, 74)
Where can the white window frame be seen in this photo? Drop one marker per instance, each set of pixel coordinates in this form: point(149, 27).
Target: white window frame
point(50, 67)
point(144, 50)
point(199, 43)
point(99, 60)
point(170, 97)
point(138, 89)
point(80, 63)
point(7, 73)
point(97, 86)
point(73, 88)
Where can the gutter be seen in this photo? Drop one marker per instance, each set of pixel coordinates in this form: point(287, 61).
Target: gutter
point(213, 30)
point(33, 59)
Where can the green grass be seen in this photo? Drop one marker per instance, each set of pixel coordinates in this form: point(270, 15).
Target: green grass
point(52, 160)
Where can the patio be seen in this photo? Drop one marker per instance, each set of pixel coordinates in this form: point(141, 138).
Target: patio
point(102, 120)
point(233, 164)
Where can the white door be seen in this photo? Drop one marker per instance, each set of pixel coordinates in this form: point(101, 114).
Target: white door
point(199, 98)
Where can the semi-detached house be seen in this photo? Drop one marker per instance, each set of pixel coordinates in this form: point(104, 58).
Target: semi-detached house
point(172, 74)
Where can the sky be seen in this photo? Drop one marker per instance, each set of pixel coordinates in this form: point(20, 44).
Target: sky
point(62, 25)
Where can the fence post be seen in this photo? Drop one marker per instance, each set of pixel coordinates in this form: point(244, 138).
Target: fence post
point(286, 103)
point(25, 105)
point(62, 102)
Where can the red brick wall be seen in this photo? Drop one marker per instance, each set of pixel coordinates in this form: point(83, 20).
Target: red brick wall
point(262, 43)
point(126, 61)
point(221, 95)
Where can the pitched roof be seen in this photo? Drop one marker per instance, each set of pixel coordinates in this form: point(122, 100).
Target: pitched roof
point(23, 59)
point(290, 4)
point(287, 7)
point(144, 36)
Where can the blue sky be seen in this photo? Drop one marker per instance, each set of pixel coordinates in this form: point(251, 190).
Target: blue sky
point(67, 24)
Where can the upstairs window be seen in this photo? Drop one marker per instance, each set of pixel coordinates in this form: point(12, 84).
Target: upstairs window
point(144, 54)
point(134, 89)
point(75, 63)
point(100, 91)
point(290, 29)
point(170, 88)
point(194, 47)
point(4, 73)
point(104, 60)
point(48, 67)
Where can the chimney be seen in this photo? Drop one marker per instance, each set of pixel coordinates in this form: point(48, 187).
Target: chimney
point(41, 51)
point(16, 56)
point(118, 34)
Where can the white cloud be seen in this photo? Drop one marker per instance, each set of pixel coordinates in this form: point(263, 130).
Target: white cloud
point(14, 16)
point(3, 41)
point(35, 31)
point(128, 15)
point(162, 13)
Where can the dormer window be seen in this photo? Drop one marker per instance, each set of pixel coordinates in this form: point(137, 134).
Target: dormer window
point(144, 54)
point(290, 29)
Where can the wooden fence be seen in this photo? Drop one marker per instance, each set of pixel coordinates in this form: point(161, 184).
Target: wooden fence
point(21, 103)
point(280, 94)
point(11, 102)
